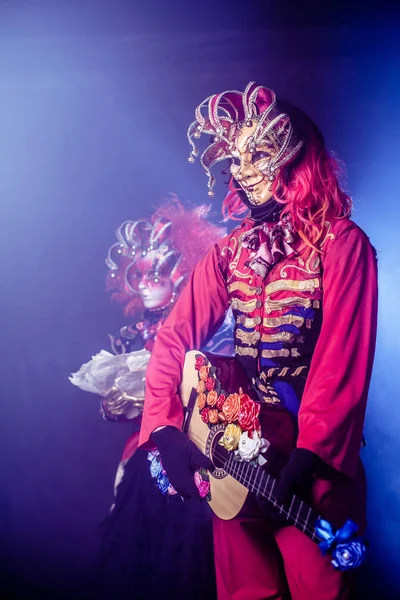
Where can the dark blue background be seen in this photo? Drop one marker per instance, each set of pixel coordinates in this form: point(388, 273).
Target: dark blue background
point(95, 98)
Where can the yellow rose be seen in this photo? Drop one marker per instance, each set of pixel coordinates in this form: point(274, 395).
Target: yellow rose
point(231, 437)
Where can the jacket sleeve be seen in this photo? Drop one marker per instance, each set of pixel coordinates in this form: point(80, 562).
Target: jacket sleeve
point(195, 317)
point(332, 410)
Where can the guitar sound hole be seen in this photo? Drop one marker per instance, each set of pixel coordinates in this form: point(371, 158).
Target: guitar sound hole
point(219, 454)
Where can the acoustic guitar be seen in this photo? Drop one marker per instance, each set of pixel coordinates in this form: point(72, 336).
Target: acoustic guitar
point(232, 480)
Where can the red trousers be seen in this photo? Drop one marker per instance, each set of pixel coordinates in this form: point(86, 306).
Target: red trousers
point(255, 562)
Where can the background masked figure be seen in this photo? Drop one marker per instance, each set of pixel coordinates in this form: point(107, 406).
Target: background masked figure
point(300, 278)
point(151, 540)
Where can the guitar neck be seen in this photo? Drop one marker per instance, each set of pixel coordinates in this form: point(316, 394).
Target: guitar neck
point(256, 480)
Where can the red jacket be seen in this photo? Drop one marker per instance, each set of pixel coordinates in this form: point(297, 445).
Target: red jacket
point(312, 310)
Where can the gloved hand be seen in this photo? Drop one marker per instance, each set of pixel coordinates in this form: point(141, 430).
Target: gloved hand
point(180, 458)
point(296, 477)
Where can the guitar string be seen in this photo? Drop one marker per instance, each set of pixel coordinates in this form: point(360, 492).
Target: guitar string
point(303, 523)
point(288, 513)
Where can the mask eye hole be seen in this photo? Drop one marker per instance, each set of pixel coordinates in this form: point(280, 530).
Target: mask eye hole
point(260, 155)
point(154, 276)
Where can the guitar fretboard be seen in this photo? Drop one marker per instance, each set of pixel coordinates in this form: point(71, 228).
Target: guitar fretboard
point(256, 480)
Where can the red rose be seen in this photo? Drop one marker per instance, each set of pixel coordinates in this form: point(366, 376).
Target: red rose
point(199, 362)
point(220, 401)
point(210, 383)
point(205, 415)
point(248, 413)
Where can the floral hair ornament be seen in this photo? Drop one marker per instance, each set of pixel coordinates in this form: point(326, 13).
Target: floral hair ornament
point(137, 239)
point(172, 241)
point(223, 115)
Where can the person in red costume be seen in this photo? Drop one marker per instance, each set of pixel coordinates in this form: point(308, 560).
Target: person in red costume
point(140, 552)
point(148, 268)
point(301, 280)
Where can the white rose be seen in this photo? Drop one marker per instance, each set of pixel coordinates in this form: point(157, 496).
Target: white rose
point(252, 446)
point(249, 447)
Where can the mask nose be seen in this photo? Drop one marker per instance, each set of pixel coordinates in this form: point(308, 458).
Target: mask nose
point(245, 173)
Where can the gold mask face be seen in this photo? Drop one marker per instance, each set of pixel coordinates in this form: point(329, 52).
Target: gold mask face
point(250, 169)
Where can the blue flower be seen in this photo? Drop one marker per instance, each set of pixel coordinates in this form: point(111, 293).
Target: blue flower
point(347, 550)
point(349, 555)
point(330, 538)
point(155, 467)
point(158, 473)
point(163, 482)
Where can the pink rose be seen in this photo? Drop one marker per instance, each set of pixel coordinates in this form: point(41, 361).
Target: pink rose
point(200, 360)
point(202, 486)
point(205, 415)
point(220, 401)
point(210, 383)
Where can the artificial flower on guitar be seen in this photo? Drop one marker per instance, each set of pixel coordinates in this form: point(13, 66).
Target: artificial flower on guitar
point(236, 410)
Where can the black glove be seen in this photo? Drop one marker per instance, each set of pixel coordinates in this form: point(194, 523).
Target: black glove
point(180, 458)
point(296, 477)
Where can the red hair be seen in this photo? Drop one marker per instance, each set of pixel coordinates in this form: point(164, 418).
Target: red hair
point(192, 234)
point(308, 188)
